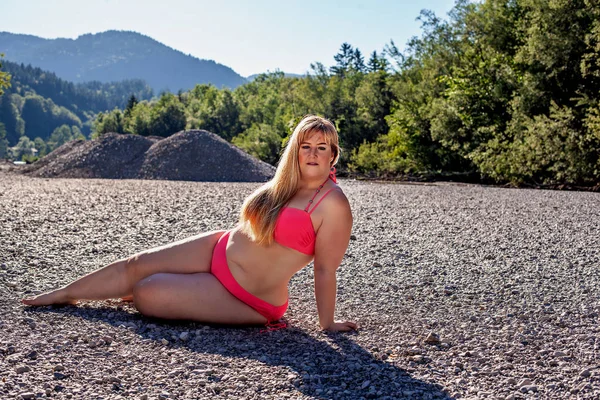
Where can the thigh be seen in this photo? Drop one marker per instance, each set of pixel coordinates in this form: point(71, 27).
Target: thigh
point(198, 297)
point(187, 256)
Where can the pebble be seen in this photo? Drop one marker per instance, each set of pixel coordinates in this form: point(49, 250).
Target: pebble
point(418, 359)
point(524, 382)
point(27, 396)
point(529, 388)
point(22, 369)
point(413, 351)
point(59, 376)
point(432, 338)
point(585, 373)
point(184, 336)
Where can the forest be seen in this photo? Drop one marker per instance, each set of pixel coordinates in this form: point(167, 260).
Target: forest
point(500, 91)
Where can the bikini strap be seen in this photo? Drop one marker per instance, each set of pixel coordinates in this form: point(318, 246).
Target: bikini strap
point(315, 195)
point(321, 199)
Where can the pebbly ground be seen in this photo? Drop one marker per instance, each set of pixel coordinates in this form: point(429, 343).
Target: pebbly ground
point(461, 291)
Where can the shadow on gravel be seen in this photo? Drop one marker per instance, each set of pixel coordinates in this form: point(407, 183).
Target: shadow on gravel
point(329, 366)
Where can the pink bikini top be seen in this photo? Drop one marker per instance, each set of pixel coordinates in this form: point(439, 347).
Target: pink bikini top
point(294, 228)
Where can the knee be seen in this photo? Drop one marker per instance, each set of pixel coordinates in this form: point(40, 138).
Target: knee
point(134, 260)
point(133, 264)
point(145, 295)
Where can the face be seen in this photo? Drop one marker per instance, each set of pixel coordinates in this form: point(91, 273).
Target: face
point(315, 156)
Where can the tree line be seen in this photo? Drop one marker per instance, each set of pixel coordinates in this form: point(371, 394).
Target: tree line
point(502, 90)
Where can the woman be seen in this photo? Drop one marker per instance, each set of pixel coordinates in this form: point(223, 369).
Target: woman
point(241, 276)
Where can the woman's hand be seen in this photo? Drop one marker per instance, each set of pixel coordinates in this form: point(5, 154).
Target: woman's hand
point(344, 326)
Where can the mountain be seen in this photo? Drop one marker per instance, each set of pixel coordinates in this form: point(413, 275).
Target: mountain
point(115, 56)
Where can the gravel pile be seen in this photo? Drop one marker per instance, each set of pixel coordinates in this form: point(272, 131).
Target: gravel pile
point(461, 291)
point(111, 156)
point(194, 155)
point(202, 156)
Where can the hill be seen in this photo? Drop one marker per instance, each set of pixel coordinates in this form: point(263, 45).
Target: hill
point(115, 56)
point(78, 97)
point(38, 102)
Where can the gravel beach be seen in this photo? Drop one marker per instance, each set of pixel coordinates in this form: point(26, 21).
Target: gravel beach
point(461, 291)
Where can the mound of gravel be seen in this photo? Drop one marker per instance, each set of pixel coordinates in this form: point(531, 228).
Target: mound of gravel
point(112, 156)
point(199, 155)
point(194, 155)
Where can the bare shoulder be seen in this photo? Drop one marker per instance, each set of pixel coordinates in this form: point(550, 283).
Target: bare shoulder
point(335, 228)
point(336, 204)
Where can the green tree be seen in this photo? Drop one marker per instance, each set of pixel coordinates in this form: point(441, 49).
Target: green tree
point(261, 141)
point(215, 110)
point(112, 122)
point(59, 136)
point(3, 142)
point(344, 60)
point(167, 116)
point(358, 61)
point(131, 103)
point(4, 78)
point(10, 115)
point(139, 120)
point(376, 63)
point(24, 149)
point(40, 146)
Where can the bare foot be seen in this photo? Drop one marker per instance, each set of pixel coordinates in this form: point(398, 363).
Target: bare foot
point(54, 297)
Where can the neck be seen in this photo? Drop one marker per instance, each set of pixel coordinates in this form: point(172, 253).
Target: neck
point(313, 184)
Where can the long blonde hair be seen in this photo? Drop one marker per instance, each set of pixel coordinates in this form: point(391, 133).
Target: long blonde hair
point(260, 210)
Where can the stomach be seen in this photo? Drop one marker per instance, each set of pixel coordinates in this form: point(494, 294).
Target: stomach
point(264, 271)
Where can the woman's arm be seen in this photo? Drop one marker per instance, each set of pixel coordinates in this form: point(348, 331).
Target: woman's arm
point(332, 241)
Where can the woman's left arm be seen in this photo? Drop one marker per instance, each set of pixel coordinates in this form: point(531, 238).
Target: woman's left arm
point(331, 245)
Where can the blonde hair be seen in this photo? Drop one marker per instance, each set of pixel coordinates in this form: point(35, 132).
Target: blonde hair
point(260, 210)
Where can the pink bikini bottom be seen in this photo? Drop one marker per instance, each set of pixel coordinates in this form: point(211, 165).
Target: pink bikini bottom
point(220, 270)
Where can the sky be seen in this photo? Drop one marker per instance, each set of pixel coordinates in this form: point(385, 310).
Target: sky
point(249, 36)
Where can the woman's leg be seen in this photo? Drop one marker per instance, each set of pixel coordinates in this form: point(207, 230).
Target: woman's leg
point(188, 256)
point(198, 297)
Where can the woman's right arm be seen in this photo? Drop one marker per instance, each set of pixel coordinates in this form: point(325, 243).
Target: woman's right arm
point(331, 245)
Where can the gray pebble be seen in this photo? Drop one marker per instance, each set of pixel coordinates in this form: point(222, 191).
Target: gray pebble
point(22, 369)
point(585, 373)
